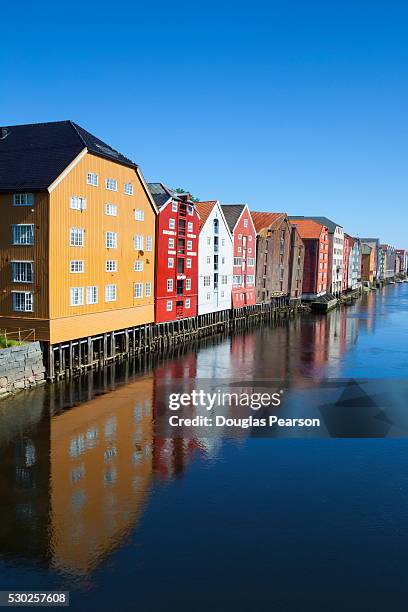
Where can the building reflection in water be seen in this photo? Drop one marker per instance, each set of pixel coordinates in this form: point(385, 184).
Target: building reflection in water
point(78, 459)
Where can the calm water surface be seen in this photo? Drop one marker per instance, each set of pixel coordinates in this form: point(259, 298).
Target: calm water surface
point(95, 502)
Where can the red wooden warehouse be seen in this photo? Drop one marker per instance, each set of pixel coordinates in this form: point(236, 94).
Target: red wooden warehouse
point(177, 234)
point(241, 226)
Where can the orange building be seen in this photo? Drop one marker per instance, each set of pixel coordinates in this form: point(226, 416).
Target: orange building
point(367, 263)
point(77, 241)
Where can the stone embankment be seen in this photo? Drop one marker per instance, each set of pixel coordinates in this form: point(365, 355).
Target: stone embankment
point(21, 367)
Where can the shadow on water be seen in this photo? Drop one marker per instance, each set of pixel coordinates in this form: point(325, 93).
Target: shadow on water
point(85, 480)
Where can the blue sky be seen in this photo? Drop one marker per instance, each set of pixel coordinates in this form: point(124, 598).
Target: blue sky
point(289, 106)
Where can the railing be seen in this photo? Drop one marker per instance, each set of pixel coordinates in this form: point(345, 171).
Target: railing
point(9, 338)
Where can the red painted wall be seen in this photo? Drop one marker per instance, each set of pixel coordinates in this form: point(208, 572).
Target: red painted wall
point(245, 247)
point(179, 255)
point(315, 270)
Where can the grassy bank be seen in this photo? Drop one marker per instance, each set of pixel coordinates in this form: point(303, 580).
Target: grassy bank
point(6, 343)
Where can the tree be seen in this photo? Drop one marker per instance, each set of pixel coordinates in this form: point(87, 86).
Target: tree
point(180, 191)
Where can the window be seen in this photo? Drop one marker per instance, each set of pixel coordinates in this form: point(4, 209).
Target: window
point(77, 296)
point(138, 241)
point(250, 279)
point(224, 279)
point(189, 227)
point(23, 234)
point(148, 289)
point(76, 266)
point(139, 215)
point(169, 305)
point(111, 265)
point(169, 284)
point(208, 240)
point(239, 236)
point(128, 189)
point(207, 281)
point(237, 279)
point(110, 293)
point(92, 179)
point(239, 249)
point(172, 223)
point(92, 295)
point(245, 222)
point(223, 242)
point(78, 203)
point(190, 209)
point(223, 260)
point(22, 271)
point(77, 237)
point(171, 243)
point(22, 301)
point(111, 210)
point(149, 243)
point(170, 262)
point(208, 297)
point(188, 284)
point(208, 259)
point(111, 240)
point(138, 290)
point(187, 303)
point(138, 266)
point(188, 263)
point(189, 245)
point(251, 261)
point(237, 261)
point(222, 294)
point(111, 184)
point(23, 199)
point(174, 207)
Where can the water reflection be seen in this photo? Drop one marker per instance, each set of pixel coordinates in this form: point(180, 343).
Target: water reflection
point(78, 460)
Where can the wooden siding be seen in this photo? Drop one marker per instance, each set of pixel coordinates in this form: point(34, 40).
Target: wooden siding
point(77, 321)
point(37, 215)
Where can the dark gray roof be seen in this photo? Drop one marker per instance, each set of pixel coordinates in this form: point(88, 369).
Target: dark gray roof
point(331, 225)
point(368, 240)
point(161, 194)
point(366, 249)
point(232, 213)
point(32, 156)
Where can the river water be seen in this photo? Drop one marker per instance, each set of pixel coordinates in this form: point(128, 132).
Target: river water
point(95, 502)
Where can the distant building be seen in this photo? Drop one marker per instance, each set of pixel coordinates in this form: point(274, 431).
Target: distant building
point(374, 244)
point(315, 237)
point(402, 256)
point(347, 246)
point(354, 268)
point(368, 262)
point(273, 249)
point(387, 261)
point(296, 265)
point(336, 243)
point(215, 259)
point(243, 232)
point(177, 254)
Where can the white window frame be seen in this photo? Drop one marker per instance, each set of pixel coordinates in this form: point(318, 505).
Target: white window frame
point(128, 188)
point(18, 234)
point(174, 207)
point(170, 285)
point(17, 271)
point(188, 284)
point(187, 303)
point(245, 223)
point(188, 263)
point(76, 296)
point(172, 223)
point(189, 245)
point(171, 244)
point(148, 289)
point(190, 227)
point(28, 301)
point(138, 291)
point(139, 214)
point(169, 305)
point(23, 199)
point(77, 203)
point(138, 265)
point(77, 237)
point(170, 262)
point(111, 184)
point(76, 266)
point(149, 243)
point(138, 242)
point(111, 240)
point(207, 281)
point(111, 265)
point(111, 209)
point(92, 294)
point(92, 179)
point(111, 297)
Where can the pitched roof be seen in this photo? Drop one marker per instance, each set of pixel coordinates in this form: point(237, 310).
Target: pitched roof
point(366, 249)
point(161, 194)
point(204, 210)
point(308, 228)
point(32, 156)
point(232, 213)
point(264, 220)
point(331, 225)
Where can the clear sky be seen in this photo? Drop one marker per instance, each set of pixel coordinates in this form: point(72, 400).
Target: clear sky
point(288, 106)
